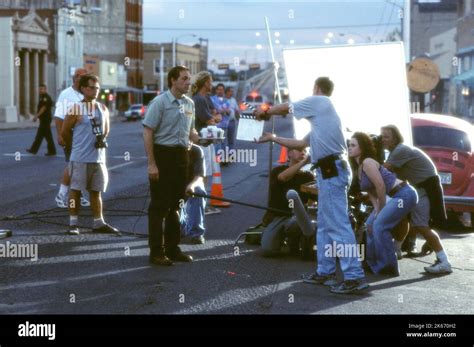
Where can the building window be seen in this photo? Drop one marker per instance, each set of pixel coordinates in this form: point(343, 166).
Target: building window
point(156, 66)
point(466, 63)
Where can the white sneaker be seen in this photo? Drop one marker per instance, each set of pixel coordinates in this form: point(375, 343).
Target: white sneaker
point(399, 254)
point(61, 201)
point(85, 202)
point(439, 267)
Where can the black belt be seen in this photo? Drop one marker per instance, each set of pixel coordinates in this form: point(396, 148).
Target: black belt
point(333, 157)
point(175, 148)
point(396, 189)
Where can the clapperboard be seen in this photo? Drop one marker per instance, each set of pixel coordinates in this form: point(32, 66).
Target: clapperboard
point(249, 127)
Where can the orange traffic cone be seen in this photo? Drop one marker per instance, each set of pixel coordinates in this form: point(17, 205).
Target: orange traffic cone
point(216, 189)
point(283, 155)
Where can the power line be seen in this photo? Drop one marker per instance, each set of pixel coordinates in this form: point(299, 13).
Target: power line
point(389, 18)
point(226, 29)
point(381, 19)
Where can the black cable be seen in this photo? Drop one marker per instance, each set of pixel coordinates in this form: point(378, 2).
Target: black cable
point(286, 213)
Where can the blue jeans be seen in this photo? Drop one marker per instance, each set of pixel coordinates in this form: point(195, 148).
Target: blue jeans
point(334, 227)
point(231, 133)
point(192, 215)
point(380, 250)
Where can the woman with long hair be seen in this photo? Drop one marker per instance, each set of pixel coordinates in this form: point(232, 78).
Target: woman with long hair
point(379, 182)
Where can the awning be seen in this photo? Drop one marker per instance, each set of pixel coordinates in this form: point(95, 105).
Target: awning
point(466, 78)
point(465, 50)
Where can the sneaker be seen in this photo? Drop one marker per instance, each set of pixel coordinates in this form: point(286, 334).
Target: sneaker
point(211, 210)
point(61, 201)
point(398, 252)
point(85, 202)
point(439, 267)
point(350, 287)
point(50, 154)
point(199, 240)
point(73, 230)
point(107, 229)
point(30, 151)
point(412, 253)
point(314, 278)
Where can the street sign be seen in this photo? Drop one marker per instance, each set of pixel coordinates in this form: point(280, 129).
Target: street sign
point(423, 75)
point(223, 66)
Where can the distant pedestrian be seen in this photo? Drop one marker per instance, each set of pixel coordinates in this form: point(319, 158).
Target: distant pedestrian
point(66, 99)
point(233, 117)
point(45, 105)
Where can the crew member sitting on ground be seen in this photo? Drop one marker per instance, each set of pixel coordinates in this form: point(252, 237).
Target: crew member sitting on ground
point(282, 179)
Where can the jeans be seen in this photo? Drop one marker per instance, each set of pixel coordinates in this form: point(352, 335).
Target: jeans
point(231, 133)
point(192, 215)
point(334, 227)
point(380, 249)
point(303, 219)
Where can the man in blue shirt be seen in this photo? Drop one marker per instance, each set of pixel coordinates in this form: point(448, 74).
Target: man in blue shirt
point(329, 154)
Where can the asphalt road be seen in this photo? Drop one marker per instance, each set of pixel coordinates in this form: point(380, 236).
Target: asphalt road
point(105, 274)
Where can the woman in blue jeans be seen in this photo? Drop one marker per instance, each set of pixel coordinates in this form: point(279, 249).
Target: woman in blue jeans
point(379, 182)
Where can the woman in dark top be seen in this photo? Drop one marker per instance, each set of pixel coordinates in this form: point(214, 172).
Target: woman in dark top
point(379, 182)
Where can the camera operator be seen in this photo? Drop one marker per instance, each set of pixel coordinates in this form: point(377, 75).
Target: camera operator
point(87, 169)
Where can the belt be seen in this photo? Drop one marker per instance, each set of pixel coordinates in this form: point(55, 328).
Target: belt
point(333, 157)
point(396, 189)
point(174, 148)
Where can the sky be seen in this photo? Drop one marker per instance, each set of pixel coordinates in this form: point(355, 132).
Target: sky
point(235, 29)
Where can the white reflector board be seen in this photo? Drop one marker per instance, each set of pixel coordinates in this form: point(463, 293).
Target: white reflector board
point(370, 84)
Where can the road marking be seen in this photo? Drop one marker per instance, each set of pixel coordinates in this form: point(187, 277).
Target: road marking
point(119, 166)
point(123, 156)
point(62, 155)
point(29, 155)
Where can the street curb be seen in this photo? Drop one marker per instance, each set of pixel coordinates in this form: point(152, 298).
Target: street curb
point(31, 125)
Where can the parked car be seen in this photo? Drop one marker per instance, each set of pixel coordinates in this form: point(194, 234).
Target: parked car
point(136, 111)
point(256, 100)
point(448, 142)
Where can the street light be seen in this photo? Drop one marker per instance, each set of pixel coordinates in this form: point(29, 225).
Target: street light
point(175, 42)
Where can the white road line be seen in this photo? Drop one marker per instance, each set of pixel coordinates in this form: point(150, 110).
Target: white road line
point(118, 166)
point(131, 157)
point(29, 155)
point(62, 156)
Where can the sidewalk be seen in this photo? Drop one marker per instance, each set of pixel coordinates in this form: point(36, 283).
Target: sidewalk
point(29, 124)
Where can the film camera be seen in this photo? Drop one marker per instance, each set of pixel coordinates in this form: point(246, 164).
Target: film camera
point(100, 140)
point(380, 152)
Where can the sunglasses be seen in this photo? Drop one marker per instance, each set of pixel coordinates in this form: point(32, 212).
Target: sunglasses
point(93, 87)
